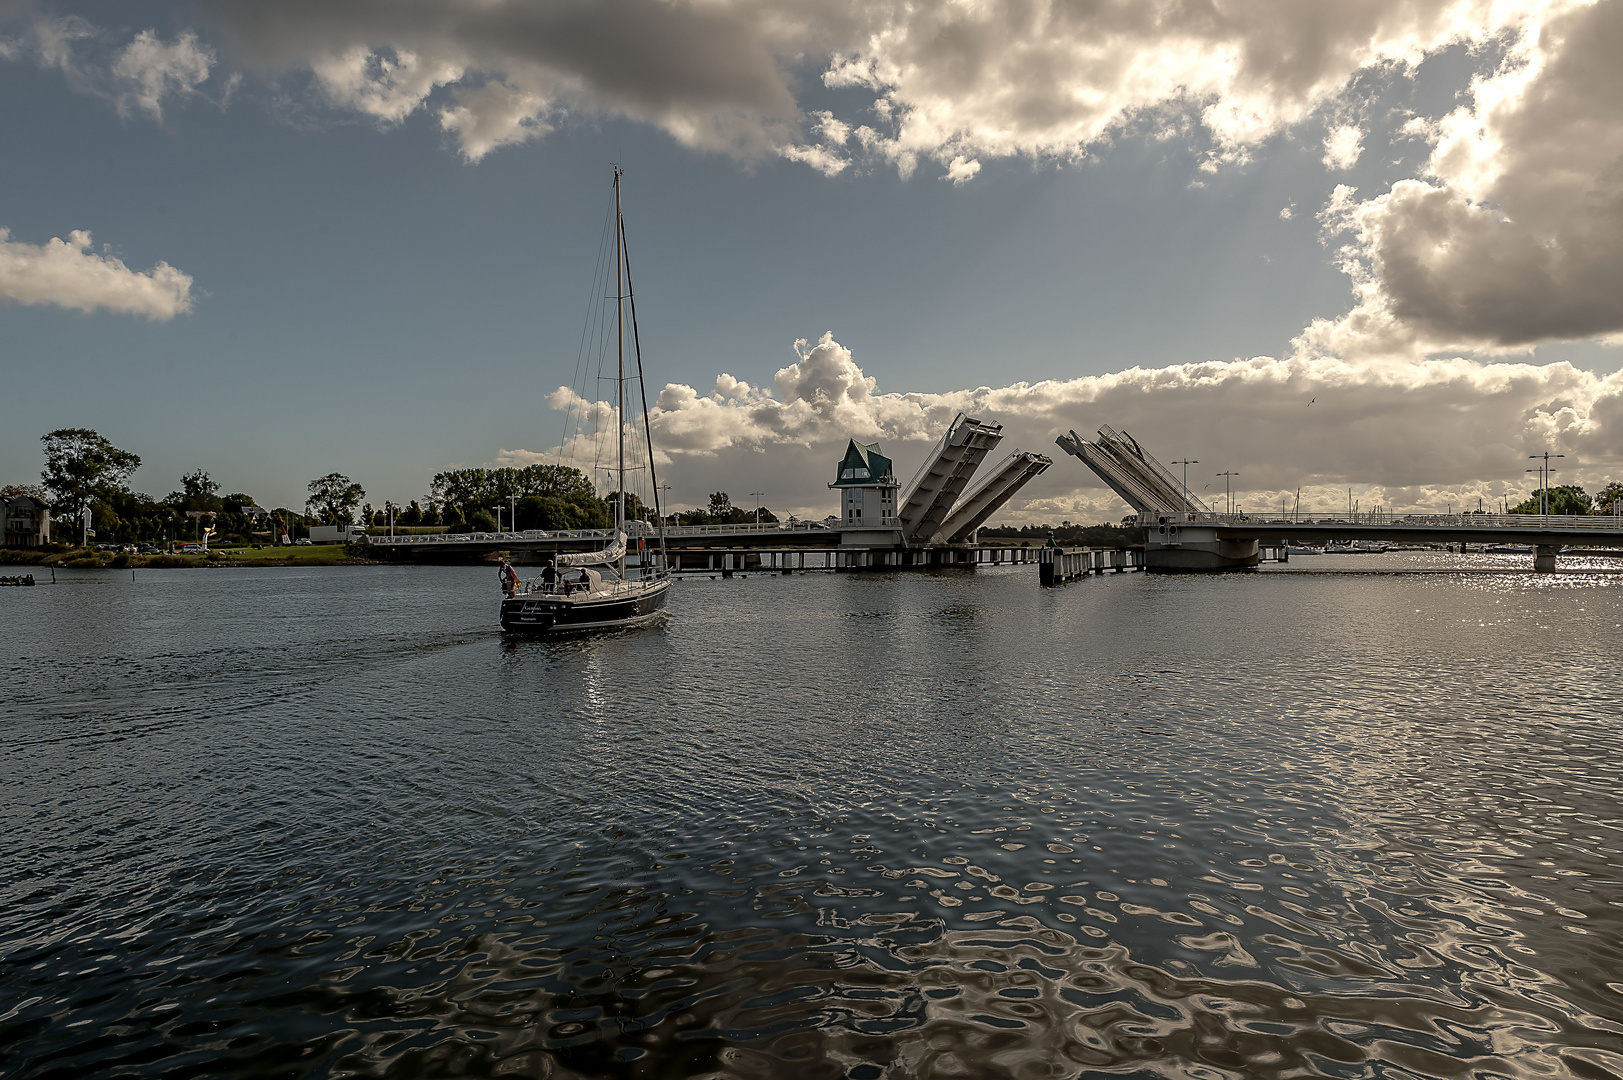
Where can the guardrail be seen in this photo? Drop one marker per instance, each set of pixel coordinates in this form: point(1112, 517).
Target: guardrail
point(497, 538)
point(747, 529)
point(1607, 523)
point(634, 529)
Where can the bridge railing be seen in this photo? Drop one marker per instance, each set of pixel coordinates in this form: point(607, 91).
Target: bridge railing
point(634, 529)
point(496, 537)
point(747, 529)
point(1606, 523)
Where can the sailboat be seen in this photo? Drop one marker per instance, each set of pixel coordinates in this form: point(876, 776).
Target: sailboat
point(593, 590)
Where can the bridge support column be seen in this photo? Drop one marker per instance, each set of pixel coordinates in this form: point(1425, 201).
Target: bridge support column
point(1544, 558)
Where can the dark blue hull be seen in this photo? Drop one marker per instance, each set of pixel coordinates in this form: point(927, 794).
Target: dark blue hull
point(550, 613)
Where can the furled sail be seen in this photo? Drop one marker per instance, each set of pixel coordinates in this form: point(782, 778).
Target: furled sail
point(610, 554)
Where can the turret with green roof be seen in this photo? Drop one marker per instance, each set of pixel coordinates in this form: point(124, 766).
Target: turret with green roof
point(868, 486)
point(864, 466)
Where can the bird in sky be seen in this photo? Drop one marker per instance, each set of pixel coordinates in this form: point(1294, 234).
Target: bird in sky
point(1312, 400)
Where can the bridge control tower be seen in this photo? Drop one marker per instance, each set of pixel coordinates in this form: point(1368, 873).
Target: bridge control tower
point(939, 505)
point(867, 485)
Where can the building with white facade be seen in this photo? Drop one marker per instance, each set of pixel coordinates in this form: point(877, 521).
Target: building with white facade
point(866, 481)
point(27, 521)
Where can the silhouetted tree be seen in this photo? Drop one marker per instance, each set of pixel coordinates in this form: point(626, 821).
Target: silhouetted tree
point(334, 498)
point(80, 467)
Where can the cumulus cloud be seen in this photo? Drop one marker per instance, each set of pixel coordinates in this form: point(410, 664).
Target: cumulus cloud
point(1417, 434)
point(69, 274)
point(1513, 235)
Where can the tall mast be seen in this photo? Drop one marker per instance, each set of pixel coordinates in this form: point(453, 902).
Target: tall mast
point(620, 381)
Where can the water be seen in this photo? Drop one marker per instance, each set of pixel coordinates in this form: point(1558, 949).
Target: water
point(325, 822)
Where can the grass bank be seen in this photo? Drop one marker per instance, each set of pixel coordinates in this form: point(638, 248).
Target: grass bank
point(314, 555)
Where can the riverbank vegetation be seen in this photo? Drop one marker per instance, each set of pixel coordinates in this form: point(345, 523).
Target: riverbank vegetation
point(90, 558)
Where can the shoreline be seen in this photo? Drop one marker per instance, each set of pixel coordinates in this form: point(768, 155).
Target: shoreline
point(79, 559)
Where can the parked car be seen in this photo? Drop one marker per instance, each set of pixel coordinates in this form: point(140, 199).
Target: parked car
point(146, 549)
point(302, 542)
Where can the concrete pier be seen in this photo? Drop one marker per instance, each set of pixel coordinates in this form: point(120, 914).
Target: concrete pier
point(1057, 566)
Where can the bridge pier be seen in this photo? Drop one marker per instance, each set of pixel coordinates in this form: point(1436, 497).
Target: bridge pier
point(1544, 558)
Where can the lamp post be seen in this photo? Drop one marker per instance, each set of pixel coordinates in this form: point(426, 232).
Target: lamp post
point(757, 496)
point(666, 501)
point(1228, 498)
point(1544, 497)
point(1186, 462)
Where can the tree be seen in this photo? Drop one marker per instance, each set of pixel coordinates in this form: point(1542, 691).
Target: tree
point(1607, 501)
point(81, 467)
point(197, 492)
point(33, 491)
point(721, 506)
point(1567, 499)
point(480, 489)
point(334, 498)
point(237, 500)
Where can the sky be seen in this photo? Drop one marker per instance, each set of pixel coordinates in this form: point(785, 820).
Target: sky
point(1374, 245)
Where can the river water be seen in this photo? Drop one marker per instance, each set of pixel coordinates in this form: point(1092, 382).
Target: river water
point(329, 822)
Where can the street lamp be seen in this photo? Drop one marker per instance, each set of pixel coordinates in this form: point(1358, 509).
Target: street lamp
point(1544, 498)
point(1186, 462)
point(1228, 499)
point(757, 496)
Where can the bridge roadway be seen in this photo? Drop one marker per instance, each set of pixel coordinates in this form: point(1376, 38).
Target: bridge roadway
point(1529, 529)
point(1545, 534)
point(534, 545)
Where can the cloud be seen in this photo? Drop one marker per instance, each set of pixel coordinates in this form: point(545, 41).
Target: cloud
point(712, 75)
point(138, 76)
point(1406, 434)
point(1510, 235)
point(151, 69)
point(956, 83)
point(493, 115)
point(1513, 234)
point(69, 274)
point(1343, 146)
point(386, 85)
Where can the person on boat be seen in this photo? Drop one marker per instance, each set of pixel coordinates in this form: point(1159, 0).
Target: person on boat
point(549, 576)
point(509, 578)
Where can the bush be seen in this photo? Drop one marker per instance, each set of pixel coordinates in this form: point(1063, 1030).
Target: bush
point(89, 562)
point(21, 555)
point(168, 562)
point(120, 561)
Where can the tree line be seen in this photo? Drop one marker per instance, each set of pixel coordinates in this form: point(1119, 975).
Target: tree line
point(83, 470)
point(1572, 499)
